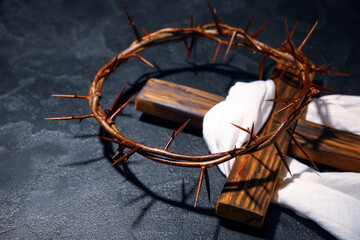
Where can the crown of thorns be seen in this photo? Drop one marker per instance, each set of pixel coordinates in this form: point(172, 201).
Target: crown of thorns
point(228, 36)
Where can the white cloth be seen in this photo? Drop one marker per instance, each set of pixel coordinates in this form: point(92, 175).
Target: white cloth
point(330, 199)
point(218, 131)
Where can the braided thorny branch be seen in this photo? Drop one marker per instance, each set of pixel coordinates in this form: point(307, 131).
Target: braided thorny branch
point(225, 35)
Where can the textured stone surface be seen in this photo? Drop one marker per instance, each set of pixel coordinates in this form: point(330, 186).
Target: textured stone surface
point(55, 179)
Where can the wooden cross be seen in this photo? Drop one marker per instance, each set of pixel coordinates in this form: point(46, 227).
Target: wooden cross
point(246, 197)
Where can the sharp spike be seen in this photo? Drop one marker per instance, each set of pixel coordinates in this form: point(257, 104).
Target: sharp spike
point(304, 104)
point(249, 22)
point(132, 23)
point(144, 30)
point(324, 88)
point(207, 182)
point(187, 48)
point(217, 52)
point(170, 140)
point(262, 66)
point(182, 127)
point(282, 157)
point(199, 25)
point(293, 29)
point(120, 108)
point(289, 41)
point(116, 154)
point(331, 72)
point(126, 155)
point(301, 149)
point(246, 130)
point(325, 65)
point(216, 20)
point(116, 102)
point(70, 117)
point(202, 171)
point(230, 44)
point(71, 96)
point(251, 135)
point(143, 59)
point(175, 133)
point(257, 33)
point(308, 36)
point(286, 107)
point(192, 19)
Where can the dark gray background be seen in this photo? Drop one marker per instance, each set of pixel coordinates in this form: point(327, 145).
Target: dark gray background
point(55, 179)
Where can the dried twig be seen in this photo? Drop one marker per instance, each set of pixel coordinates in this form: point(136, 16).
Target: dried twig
point(223, 34)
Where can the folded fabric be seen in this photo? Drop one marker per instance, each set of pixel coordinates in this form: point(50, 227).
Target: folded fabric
point(330, 199)
point(241, 108)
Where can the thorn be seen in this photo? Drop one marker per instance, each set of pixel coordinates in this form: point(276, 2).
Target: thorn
point(192, 19)
point(126, 155)
point(282, 157)
point(262, 66)
point(120, 108)
point(324, 88)
point(288, 38)
point(199, 184)
point(120, 151)
point(192, 44)
point(143, 59)
point(144, 30)
point(116, 102)
point(230, 44)
point(71, 96)
point(217, 52)
point(286, 107)
point(182, 127)
point(187, 48)
point(132, 23)
point(116, 154)
point(257, 33)
point(199, 25)
point(251, 136)
point(308, 36)
point(293, 29)
point(304, 104)
point(70, 117)
point(301, 149)
point(249, 22)
point(323, 66)
point(216, 20)
point(175, 133)
point(245, 130)
point(320, 71)
point(207, 182)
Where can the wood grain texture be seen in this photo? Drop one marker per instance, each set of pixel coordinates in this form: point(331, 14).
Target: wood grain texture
point(252, 181)
point(175, 102)
point(328, 146)
point(325, 145)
